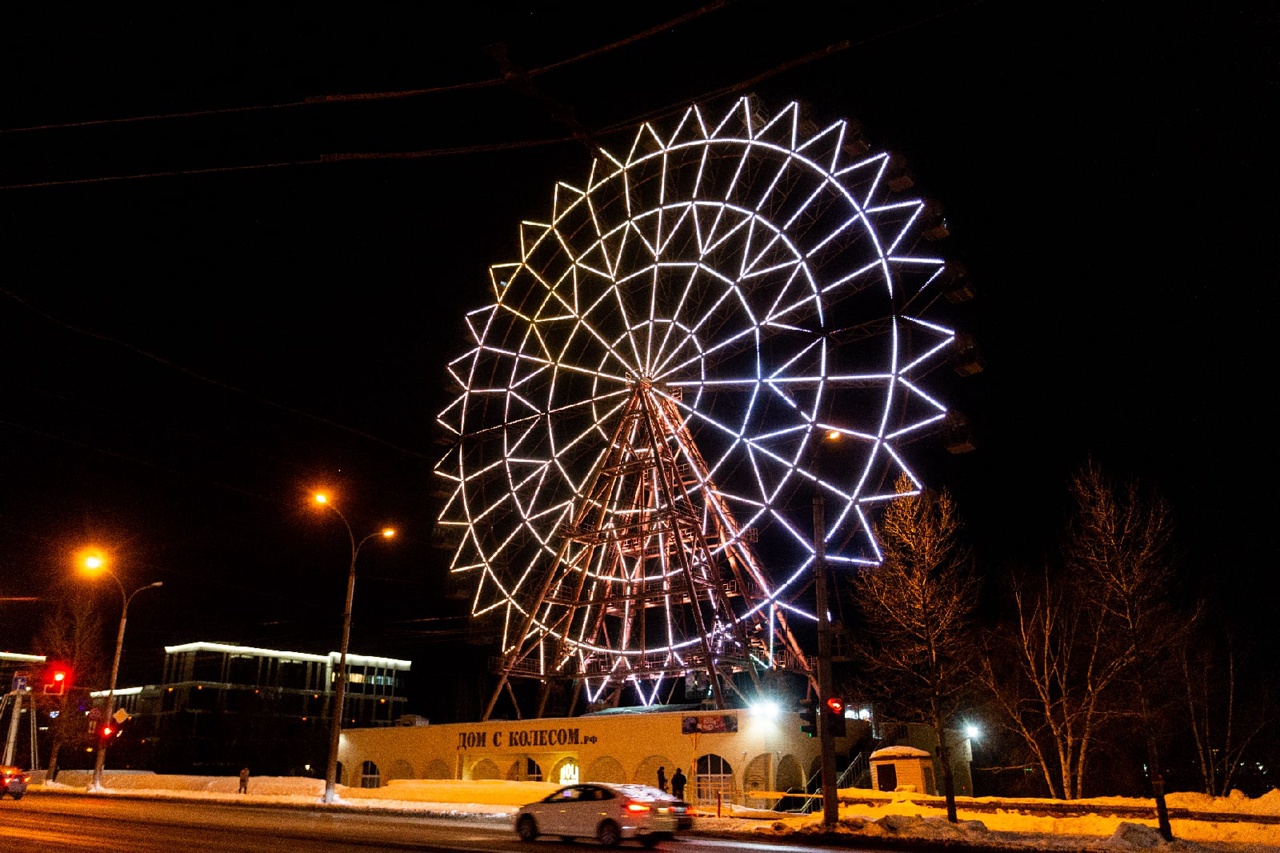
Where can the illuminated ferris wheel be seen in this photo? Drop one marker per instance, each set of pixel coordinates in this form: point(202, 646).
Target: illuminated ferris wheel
point(637, 422)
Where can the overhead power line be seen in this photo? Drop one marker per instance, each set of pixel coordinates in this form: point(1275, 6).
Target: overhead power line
point(207, 379)
point(578, 135)
point(358, 97)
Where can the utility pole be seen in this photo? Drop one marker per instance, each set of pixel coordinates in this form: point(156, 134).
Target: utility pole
point(826, 737)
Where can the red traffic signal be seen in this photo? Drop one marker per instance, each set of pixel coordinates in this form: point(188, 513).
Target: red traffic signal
point(57, 678)
point(834, 718)
point(106, 731)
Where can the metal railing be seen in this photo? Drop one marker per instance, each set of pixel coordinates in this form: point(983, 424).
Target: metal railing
point(858, 768)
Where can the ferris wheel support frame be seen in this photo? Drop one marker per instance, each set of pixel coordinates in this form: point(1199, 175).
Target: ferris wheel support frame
point(679, 533)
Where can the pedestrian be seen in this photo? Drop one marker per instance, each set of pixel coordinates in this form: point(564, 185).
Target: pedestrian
point(677, 784)
point(244, 780)
point(662, 778)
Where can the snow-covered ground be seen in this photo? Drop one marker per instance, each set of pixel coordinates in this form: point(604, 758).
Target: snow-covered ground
point(902, 815)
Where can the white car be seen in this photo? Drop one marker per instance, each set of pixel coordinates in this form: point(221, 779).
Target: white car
point(606, 812)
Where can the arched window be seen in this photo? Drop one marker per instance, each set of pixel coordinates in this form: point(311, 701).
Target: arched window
point(715, 777)
point(566, 772)
point(369, 776)
point(524, 770)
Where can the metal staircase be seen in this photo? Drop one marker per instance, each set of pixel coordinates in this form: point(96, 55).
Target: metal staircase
point(858, 769)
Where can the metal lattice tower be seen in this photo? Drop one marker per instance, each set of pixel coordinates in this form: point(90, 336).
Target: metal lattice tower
point(650, 535)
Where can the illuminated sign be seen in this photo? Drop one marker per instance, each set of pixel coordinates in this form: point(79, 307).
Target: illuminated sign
point(709, 724)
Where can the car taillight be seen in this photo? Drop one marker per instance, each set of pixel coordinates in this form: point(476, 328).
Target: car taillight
point(637, 807)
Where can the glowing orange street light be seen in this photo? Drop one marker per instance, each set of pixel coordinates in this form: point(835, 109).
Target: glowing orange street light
point(92, 560)
point(94, 563)
point(340, 689)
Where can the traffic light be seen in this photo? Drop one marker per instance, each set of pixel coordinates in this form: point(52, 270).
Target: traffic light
point(834, 716)
point(808, 717)
point(57, 678)
point(105, 731)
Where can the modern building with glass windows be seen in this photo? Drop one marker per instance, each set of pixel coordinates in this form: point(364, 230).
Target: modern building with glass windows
point(220, 707)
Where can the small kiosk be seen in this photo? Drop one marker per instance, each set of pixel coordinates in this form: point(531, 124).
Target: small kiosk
point(898, 768)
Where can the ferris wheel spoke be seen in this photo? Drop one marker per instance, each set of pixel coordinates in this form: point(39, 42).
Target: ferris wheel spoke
point(673, 322)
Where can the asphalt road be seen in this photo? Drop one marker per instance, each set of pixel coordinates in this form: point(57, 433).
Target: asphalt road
point(43, 822)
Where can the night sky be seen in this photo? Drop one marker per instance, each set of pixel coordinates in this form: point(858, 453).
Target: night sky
point(227, 279)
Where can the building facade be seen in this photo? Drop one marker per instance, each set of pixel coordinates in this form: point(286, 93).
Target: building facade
point(220, 707)
point(746, 757)
point(731, 755)
point(735, 756)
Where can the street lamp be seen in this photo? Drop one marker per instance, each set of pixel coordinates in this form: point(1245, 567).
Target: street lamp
point(95, 564)
point(340, 691)
point(826, 736)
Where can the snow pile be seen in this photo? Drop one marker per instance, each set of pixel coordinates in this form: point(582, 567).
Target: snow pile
point(145, 782)
point(490, 792)
point(919, 817)
point(900, 815)
point(1135, 836)
point(1236, 803)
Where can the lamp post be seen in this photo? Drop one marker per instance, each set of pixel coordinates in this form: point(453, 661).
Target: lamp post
point(826, 681)
point(340, 689)
point(93, 564)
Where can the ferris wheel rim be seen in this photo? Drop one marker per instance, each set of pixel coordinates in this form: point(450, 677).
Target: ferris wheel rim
point(534, 414)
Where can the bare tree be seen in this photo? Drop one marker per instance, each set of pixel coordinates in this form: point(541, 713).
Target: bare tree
point(1120, 546)
point(1048, 670)
point(1223, 724)
point(1056, 669)
point(71, 635)
point(917, 606)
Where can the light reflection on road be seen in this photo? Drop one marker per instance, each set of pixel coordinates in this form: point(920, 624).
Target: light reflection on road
point(64, 822)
